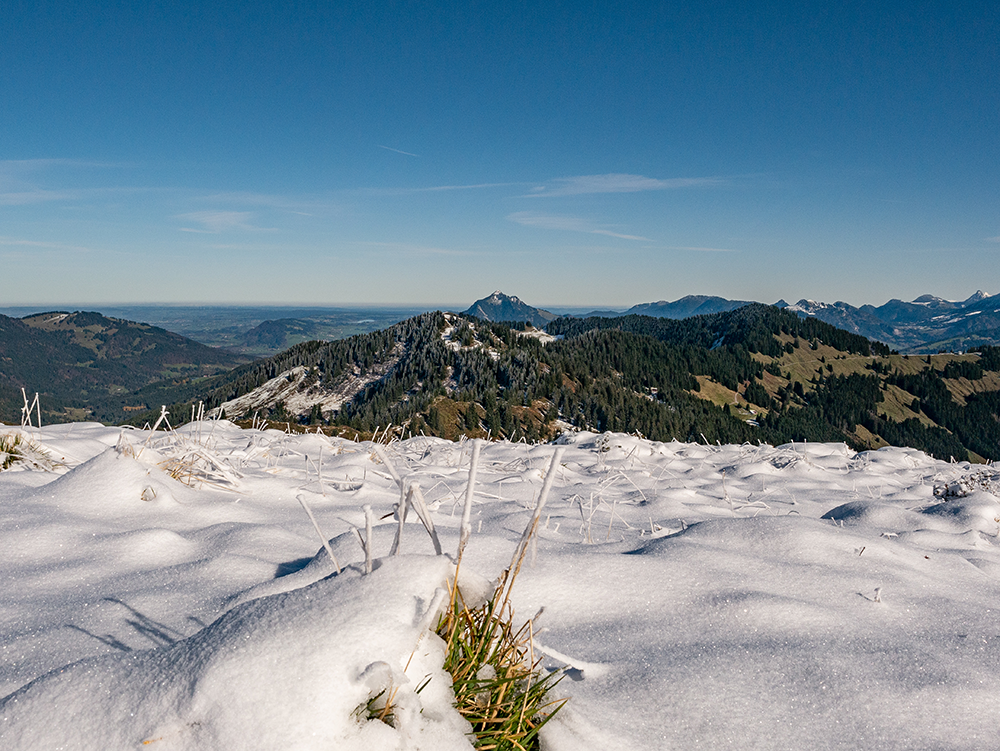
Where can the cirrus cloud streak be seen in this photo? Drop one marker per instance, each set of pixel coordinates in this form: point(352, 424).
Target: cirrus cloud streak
point(37, 244)
point(703, 250)
point(215, 222)
point(567, 223)
point(617, 183)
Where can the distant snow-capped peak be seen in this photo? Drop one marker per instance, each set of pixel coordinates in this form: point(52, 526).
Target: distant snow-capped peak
point(808, 306)
point(979, 295)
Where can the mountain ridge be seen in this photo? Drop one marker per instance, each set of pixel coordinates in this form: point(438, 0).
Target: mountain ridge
point(928, 323)
point(918, 326)
point(684, 307)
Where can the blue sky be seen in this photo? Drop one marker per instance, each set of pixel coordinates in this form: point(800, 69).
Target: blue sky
point(571, 153)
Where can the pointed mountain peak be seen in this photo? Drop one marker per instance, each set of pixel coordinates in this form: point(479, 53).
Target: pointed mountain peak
point(501, 307)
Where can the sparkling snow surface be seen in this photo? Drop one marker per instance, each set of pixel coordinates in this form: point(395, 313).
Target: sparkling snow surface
point(745, 597)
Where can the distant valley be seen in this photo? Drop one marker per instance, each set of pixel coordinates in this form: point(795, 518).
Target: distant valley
point(927, 324)
point(255, 331)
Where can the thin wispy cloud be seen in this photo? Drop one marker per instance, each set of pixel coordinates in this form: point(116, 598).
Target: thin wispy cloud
point(432, 189)
point(16, 242)
point(36, 195)
point(19, 186)
point(418, 250)
point(28, 165)
point(405, 153)
point(702, 250)
point(993, 239)
point(302, 205)
point(215, 222)
point(616, 183)
point(568, 224)
point(25, 195)
point(250, 247)
point(619, 235)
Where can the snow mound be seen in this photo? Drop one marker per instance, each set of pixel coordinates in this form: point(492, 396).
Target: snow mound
point(139, 487)
point(312, 657)
point(873, 514)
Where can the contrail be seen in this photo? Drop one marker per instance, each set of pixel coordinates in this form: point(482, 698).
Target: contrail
point(389, 148)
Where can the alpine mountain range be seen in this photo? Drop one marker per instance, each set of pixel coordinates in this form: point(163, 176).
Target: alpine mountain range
point(928, 324)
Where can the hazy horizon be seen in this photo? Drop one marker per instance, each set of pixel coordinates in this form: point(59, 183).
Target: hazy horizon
point(29, 309)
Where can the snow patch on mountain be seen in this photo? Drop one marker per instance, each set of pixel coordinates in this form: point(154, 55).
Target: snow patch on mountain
point(300, 389)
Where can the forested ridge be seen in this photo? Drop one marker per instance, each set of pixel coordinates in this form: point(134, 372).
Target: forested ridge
point(86, 364)
point(753, 374)
point(751, 327)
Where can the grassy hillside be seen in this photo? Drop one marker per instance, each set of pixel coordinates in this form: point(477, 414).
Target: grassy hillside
point(87, 365)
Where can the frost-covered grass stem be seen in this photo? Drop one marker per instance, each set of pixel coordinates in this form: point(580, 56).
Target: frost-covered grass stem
point(322, 537)
point(466, 529)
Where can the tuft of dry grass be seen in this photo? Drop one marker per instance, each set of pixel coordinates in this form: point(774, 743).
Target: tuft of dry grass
point(496, 678)
point(495, 674)
point(10, 450)
point(15, 449)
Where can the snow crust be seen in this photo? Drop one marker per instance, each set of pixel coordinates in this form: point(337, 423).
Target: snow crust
point(169, 591)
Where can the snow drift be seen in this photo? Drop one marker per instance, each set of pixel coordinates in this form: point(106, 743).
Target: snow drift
point(169, 591)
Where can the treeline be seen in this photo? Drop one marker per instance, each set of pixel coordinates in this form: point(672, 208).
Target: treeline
point(604, 380)
point(989, 357)
point(331, 360)
point(837, 404)
point(976, 425)
point(751, 328)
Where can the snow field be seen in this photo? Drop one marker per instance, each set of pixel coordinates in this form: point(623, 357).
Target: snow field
point(751, 597)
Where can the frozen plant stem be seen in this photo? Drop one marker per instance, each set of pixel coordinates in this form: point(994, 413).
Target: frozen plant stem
point(322, 537)
point(401, 509)
point(152, 432)
point(368, 538)
point(522, 547)
point(416, 499)
point(388, 465)
point(467, 510)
